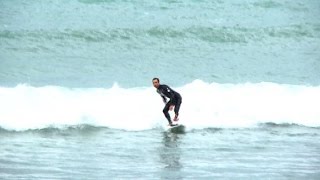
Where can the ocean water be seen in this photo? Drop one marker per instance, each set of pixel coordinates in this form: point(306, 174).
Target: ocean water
point(77, 102)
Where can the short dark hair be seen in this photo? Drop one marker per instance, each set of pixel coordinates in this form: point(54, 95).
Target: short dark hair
point(156, 79)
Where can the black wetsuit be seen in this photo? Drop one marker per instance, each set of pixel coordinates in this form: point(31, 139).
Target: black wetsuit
point(175, 99)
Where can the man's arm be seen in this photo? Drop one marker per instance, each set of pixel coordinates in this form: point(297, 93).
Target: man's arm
point(164, 99)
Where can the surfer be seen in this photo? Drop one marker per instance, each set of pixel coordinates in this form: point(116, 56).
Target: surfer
point(175, 99)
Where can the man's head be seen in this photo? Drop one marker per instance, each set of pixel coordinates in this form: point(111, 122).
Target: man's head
point(156, 82)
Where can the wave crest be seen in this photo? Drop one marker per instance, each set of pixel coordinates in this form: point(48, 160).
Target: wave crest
point(205, 105)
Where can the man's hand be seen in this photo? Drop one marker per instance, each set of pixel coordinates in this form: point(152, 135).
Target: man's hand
point(171, 107)
point(175, 118)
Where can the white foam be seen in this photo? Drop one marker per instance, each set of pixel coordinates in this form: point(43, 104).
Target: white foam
point(204, 105)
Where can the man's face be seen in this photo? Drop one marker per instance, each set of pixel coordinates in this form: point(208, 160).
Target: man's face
point(155, 83)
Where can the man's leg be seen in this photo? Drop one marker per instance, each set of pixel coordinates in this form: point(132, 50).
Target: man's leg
point(177, 108)
point(166, 112)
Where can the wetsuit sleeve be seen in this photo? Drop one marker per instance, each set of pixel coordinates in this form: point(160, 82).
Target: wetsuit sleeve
point(164, 99)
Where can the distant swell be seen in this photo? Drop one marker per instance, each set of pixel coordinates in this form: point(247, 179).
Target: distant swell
point(208, 34)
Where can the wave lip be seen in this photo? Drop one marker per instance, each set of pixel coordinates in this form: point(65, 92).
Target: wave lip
point(205, 105)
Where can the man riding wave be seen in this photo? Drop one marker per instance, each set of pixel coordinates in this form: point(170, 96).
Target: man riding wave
point(175, 99)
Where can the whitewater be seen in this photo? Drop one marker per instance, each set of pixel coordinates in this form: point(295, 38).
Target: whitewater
point(205, 105)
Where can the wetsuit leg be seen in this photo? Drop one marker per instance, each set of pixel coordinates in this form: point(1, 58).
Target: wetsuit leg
point(177, 106)
point(166, 112)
